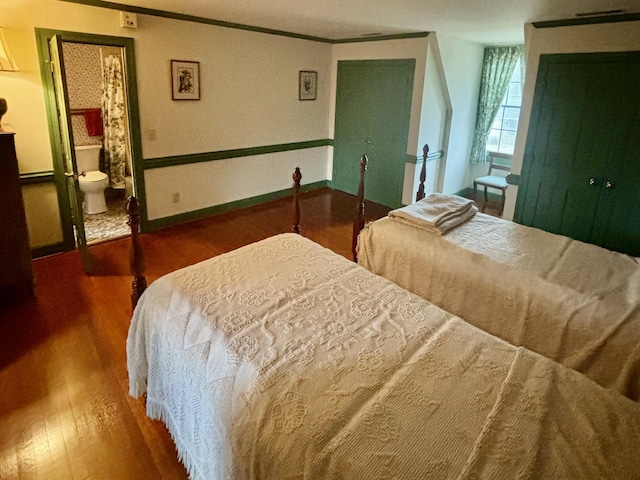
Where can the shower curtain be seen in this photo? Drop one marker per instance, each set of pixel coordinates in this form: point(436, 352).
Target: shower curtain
point(113, 114)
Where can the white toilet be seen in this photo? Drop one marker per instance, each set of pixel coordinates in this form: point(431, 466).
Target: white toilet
point(94, 182)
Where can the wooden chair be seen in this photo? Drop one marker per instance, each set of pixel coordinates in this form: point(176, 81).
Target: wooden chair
point(493, 181)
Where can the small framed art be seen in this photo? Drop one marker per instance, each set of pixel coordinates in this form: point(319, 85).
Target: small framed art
point(185, 80)
point(307, 85)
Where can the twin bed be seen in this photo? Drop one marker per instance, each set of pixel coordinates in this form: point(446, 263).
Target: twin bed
point(575, 303)
point(283, 360)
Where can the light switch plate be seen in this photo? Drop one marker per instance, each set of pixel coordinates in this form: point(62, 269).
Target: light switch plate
point(128, 20)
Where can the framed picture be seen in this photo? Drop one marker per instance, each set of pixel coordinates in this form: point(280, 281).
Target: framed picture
point(185, 80)
point(307, 85)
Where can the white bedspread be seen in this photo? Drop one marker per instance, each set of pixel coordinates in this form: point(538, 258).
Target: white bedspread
point(570, 301)
point(283, 360)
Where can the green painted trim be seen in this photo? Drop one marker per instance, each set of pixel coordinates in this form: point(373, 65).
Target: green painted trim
point(37, 177)
point(513, 179)
point(464, 192)
point(192, 18)
point(47, 250)
point(570, 22)
point(593, 57)
point(226, 154)
point(42, 39)
point(225, 207)
point(397, 36)
point(416, 159)
point(239, 26)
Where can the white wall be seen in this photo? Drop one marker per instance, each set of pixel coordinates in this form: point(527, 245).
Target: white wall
point(462, 61)
point(434, 101)
point(249, 85)
point(434, 125)
point(610, 37)
point(223, 181)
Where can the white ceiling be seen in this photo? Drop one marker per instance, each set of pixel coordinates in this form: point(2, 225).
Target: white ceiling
point(483, 21)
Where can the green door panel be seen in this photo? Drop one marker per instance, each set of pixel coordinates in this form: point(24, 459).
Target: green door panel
point(584, 123)
point(351, 127)
point(618, 214)
point(68, 152)
point(373, 108)
point(391, 85)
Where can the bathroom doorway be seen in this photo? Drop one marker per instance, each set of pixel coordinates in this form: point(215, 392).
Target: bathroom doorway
point(94, 129)
point(94, 76)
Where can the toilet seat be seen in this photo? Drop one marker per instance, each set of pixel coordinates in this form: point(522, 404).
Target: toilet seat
point(96, 176)
point(92, 185)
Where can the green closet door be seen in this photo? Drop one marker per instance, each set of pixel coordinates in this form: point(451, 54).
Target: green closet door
point(351, 127)
point(581, 130)
point(618, 214)
point(373, 109)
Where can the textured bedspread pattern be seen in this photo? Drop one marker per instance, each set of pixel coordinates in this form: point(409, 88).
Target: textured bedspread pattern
point(576, 303)
point(283, 360)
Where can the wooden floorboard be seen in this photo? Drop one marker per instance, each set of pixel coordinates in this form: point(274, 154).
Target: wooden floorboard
point(65, 412)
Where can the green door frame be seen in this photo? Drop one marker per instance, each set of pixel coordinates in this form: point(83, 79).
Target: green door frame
point(43, 36)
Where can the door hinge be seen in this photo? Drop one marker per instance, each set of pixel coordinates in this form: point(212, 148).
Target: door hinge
point(51, 66)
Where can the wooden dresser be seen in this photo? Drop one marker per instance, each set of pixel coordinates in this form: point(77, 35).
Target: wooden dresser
point(16, 273)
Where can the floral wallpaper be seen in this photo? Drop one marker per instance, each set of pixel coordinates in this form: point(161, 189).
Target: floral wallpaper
point(83, 70)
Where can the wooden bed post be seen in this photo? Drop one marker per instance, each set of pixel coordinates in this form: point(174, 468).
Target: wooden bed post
point(136, 255)
point(297, 176)
point(358, 220)
point(423, 173)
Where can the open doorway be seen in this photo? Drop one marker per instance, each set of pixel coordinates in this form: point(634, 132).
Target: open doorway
point(95, 80)
point(91, 98)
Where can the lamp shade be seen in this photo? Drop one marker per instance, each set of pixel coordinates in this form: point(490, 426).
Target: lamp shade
point(7, 63)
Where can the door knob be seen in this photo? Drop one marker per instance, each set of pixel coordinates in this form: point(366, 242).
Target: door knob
point(608, 184)
point(369, 142)
point(592, 181)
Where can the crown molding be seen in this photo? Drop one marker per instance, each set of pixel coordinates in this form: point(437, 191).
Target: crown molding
point(238, 26)
point(570, 22)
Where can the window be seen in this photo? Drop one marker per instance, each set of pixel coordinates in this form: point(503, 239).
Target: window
point(502, 136)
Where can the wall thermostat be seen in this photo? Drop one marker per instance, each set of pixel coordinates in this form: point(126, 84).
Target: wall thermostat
point(128, 20)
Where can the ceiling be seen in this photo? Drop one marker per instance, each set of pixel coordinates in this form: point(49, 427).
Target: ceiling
point(483, 21)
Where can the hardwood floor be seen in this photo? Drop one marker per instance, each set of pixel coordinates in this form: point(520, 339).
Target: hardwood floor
point(65, 412)
point(492, 207)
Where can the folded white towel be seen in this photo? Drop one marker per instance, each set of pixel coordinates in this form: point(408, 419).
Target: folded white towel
point(434, 209)
point(443, 227)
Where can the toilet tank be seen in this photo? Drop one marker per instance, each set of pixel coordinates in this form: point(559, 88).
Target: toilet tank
point(88, 157)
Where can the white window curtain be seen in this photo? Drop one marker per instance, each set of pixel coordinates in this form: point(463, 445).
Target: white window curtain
point(497, 68)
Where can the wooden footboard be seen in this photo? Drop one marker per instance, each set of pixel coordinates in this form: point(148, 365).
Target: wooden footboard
point(136, 255)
